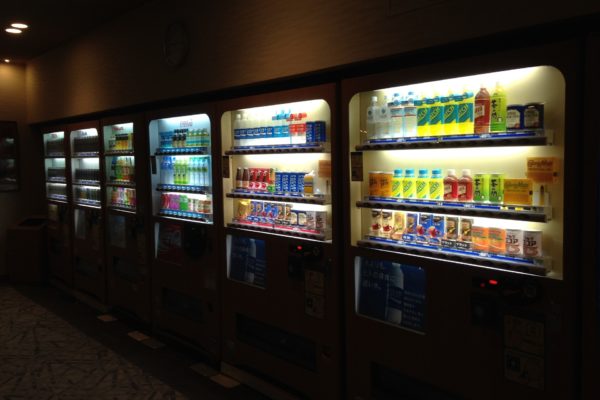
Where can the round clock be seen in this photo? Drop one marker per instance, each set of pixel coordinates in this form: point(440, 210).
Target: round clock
point(176, 44)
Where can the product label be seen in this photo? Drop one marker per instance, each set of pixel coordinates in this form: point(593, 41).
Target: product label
point(422, 192)
point(465, 112)
point(542, 169)
point(479, 110)
point(450, 114)
point(518, 191)
point(422, 116)
point(435, 115)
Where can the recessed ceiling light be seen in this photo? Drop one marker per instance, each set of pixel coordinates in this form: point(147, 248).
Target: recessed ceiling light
point(13, 30)
point(19, 25)
point(6, 60)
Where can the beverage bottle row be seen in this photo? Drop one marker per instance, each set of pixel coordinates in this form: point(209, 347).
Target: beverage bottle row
point(57, 190)
point(181, 138)
point(437, 115)
point(86, 144)
point(87, 193)
point(55, 146)
point(466, 188)
point(122, 169)
point(283, 128)
point(56, 172)
point(122, 197)
point(185, 203)
point(87, 174)
point(185, 171)
point(121, 141)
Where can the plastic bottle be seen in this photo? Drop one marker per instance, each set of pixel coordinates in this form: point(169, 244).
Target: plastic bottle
point(423, 184)
point(482, 111)
point(451, 186)
point(237, 126)
point(382, 120)
point(410, 116)
point(436, 113)
point(422, 117)
point(451, 115)
point(309, 181)
point(498, 109)
point(372, 112)
point(170, 172)
point(396, 117)
point(465, 186)
point(397, 184)
point(436, 185)
point(409, 184)
point(465, 113)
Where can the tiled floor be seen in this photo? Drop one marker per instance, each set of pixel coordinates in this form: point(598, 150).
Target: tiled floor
point(53, 347)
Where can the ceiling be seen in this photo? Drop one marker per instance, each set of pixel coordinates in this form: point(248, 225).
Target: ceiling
point(53, 22)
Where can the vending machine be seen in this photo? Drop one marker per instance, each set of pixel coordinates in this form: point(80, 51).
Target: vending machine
point(128, 268)
point(185, 258)
point(281, 282)
point(56, 171)
point(89, 273)
point(461, 241)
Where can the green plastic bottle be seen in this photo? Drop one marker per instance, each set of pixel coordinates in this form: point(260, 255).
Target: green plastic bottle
point(498, 109)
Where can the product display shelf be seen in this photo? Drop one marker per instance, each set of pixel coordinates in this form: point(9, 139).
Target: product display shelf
point(280, 230)
point(536, 266)
point(122, 208)
point(57, 198)
point(290, 198)
point(121, 184)
point(95, 204)
point(183, 151)
point(472, 209)
point(113, 153)
point(280, 149)
point(56, 180)
point(86, 154)
point(184, 216)
point(55, 155)
point(84, 182)
point(165, 187)
point(512, 138)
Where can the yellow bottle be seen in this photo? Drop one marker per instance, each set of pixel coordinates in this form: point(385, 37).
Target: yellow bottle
point(465, 113)
point(423, 184)
point(436, 115)
point(409, 184)
point(436, 185)
point(397, 183)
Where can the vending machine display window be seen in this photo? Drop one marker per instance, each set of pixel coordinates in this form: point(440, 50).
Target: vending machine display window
point(466, 169)
point(85, 167)
point(119, 159)
point(9, 173)
point(280, 162)
point(182, 183)
point(55, 166)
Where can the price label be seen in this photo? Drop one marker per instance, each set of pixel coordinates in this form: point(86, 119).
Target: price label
point(324, 168)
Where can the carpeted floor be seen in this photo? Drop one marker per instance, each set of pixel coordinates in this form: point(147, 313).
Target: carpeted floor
point(47, 356)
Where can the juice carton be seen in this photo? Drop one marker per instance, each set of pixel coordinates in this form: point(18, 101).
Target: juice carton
point(518, 191)
point(436, 230)
point(425, 222)
point(497, 240)
point(480, 238)
point(399, 225)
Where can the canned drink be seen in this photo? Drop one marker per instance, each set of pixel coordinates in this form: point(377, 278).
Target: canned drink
point(399, 224)
point(285, 182)
point(207, 207)
point(514, 242)
point(293, 221)
point(532, 243)
point(451, 228)
point(376, 221)
point(497, 239)
point(466, 229)
point(311, 220)
point(496, 188)
point(264, 179)
point(302, 219)
point(287, 214)
point(515, 116)
point(385, 184)
point(278, 185)
point(253, 178)
point(271, 180)
point(310, 132)
point(374, 188)
point(480, 238)
point(533, 116)
point(320, 220)
point(300, 181)
point(481, 187)
point(293, 179)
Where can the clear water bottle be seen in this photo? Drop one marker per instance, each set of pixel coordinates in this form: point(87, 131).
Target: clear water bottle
point(396, 117)
point(372, 111)
point(410, 116)
point(382, 120)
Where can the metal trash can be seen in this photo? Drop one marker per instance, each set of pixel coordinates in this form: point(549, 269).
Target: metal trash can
point(26, 250)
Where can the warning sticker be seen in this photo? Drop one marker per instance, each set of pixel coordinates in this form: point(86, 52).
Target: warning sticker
point(524, 335)
point(523, 368)
point(314, 293)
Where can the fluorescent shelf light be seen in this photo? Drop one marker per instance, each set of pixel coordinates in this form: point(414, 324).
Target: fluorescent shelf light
point(13, 30)
point(19, 25)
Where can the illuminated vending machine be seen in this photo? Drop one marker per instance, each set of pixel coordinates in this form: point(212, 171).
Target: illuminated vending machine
point(89, 274)
point(128, 270)
point(460, 186)
point(281, 286)
point(57, 195)
point(184, 278)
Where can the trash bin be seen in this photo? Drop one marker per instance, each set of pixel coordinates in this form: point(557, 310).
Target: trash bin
point(26, 250)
